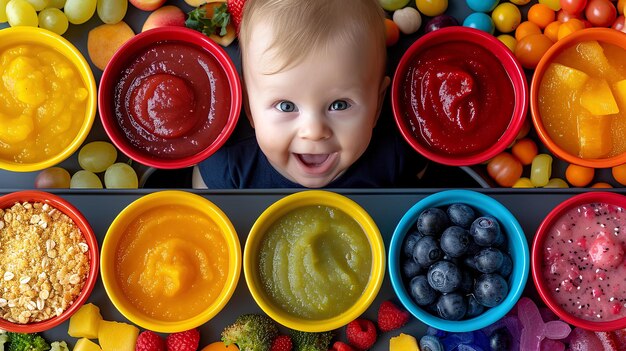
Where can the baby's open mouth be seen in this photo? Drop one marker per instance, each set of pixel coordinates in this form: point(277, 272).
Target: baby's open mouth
point(313, 160)
point(317, 163)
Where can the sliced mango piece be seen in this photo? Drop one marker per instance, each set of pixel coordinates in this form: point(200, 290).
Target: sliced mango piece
point(85, 344)
point(571, 77)
point(594, 136)
point(117, 336)
point(403, 342)
point(592, 53)
point(598, 99)
point(619, 89)
point(85, 322)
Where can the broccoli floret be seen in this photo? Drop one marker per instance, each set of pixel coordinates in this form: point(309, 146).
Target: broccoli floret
point(27, 342)
point(4, 338)
point(303, 341)
point(251, 332)
point(59, 346)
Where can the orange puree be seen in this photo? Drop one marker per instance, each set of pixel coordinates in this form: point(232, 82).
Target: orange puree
point(172, 262)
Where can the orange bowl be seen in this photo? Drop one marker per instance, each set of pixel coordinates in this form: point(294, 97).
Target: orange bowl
point(604, 35)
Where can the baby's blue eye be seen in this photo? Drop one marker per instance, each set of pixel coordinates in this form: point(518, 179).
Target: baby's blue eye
point(286, 106)
point(339, 105)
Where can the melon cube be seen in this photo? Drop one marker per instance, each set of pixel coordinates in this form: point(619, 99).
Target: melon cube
point(117, 336)
point(85, 322)
point(403, 342)
point(571, 77)
point(619, 89)
point(598, 99)
point(592, 54)
point(594, 136)
point(85, 344)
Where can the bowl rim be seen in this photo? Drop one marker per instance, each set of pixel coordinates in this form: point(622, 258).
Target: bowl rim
point(137, 208)
point(81, 222)
point(288, 204)
point(482, 204)
point(54, 41)
point(510, 64)
point(536, 257)
point(599, 34)
point(121, 58)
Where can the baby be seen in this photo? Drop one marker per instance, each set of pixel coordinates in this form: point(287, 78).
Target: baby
point(314, 85)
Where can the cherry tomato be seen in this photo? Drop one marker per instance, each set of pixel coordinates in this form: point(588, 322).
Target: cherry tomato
point(526, 28)
point(508, 40)
point(531, 48)
point(541, 170)
point(570, 27)
point(619, 173)
point(520, 2)
point(554, 5)
point(602, 185)
point(432, 8)
point(505, 169)
point(552, 30)
point(506, 17)
point(563, 16)
point(525, 150)
point(578, 175)
point(620, 24)
point(601, 13)
point(541, 15)
point(573, 7)
point(392, 32)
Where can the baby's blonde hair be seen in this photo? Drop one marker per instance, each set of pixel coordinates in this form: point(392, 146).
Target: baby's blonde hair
point(304, 26)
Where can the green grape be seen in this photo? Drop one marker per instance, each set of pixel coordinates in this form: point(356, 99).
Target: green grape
point(541, 170)
point(38, 5)
point(53, 177)
point(85, 180)
point(57, 4)
point(3, 11)
point(392, 5)
point(21, 13)
point(112, 11)
point(53, 20)
point(97, 156)
point(79, 11)
point(120, 176)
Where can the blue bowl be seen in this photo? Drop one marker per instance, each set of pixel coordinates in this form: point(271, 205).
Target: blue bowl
point(517, 245)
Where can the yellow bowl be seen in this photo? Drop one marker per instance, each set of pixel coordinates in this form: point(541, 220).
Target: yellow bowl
point(31, 35)
point(283, 207)
point(112, 259)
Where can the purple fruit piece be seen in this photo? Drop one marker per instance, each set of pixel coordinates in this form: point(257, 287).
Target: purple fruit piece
point(584, 340)
point(557, 330)
point(552, 345)
point(533, 327)
point(453, 340)
point(439, 22)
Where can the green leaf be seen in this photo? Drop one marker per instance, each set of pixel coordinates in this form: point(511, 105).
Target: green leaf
point(197, 20)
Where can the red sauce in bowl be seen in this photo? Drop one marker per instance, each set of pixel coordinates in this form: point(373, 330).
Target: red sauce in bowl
point(458, 98)
point(172, 100)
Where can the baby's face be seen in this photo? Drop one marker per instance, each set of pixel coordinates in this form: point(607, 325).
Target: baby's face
point(314, 119)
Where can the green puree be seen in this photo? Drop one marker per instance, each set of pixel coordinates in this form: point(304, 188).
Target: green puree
point(315, 262)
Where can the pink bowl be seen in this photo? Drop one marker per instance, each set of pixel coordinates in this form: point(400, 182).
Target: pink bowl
point(536, 258)
point(495, 47)
point(127, 54)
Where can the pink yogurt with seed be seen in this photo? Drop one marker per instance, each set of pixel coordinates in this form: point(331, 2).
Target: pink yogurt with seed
point(583, 265)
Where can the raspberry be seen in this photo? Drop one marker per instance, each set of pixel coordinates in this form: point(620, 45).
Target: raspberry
point(340, 346)
point(282, 343)
point(390, 317)
point(149, 341)
point(361, 333)
point(183, 341)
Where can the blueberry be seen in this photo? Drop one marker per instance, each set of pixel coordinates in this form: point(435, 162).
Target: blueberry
point(467, 282)
point(427, 251)
point(430, 343)
point(488, 260)
point(500, 339)
point(444, 276)
point(485, 230)
point(410, 268)
point(490, 289)
point(432, 221)
point(451, 306)
point(507, 266)
point(421, 292)
point(455, 241)
point(469, 262)
point(409, 243)
point(454, 260)
point(461, 215)
point(473, 307)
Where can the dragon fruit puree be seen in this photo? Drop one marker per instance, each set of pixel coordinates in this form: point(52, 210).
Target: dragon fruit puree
point(583, 262)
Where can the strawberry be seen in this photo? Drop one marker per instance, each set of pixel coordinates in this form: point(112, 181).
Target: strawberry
point(390, 317)
point(149, 341)
point(282, 343)
point(235, 7)
point(340, 346)
point(183, 341)
point(361, 333)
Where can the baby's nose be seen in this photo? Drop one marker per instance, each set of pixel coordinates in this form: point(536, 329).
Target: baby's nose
point(314, 127)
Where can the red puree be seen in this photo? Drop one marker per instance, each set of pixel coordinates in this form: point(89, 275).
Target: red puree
point(459, 98)
point(173, 100)
point(583, 262)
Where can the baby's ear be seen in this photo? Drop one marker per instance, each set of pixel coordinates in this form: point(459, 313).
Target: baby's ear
point(384, 84)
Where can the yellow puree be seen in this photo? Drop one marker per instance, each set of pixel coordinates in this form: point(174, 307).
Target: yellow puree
point(315, 262)
point(42, 103)
point(172, 262)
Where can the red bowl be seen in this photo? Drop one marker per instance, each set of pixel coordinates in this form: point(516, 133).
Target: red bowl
point(62, 205)
point(126, 54)
point(511, 66)
point(536, 258)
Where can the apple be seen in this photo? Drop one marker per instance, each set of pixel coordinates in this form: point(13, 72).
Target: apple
point(147, 5)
